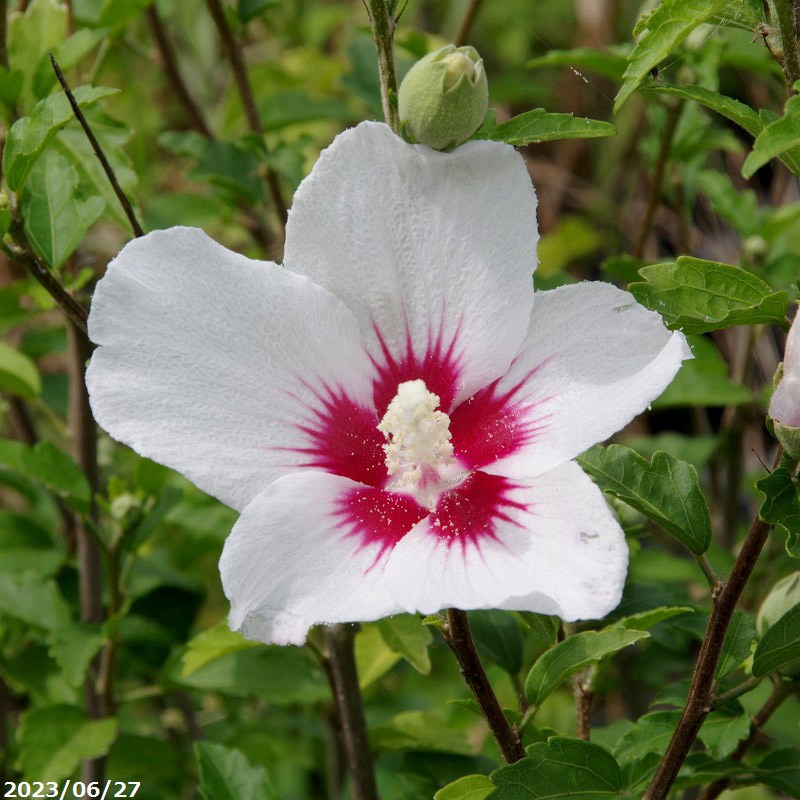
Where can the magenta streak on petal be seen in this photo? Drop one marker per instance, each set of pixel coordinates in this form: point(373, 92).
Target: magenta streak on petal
point(470, 512)
point(343, 438)
point(490, 425)
point(378, 517)
point(439, 367)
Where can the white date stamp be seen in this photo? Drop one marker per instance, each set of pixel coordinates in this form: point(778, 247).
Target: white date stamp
point(101, 790)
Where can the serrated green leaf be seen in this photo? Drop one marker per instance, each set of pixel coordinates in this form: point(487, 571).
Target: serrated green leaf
point(645, 620)
point(226, 774)
point(217, 641)
point(56, 217)
point(738, 640)
point(724, 729)
point(665, 490)
point(374, 658)
point(406, 635)
point(554, 666)
point(539, 125)
point(698, 296)
point(18, 374)
point(73, 647)
point(29, 136)
point(734, 110)
point(781, 506)
point(650, 734)
point(780, 645)
point(559, 768)
point(781, 770)
point(54, 740)
point(498, 637)
point(470, 787)
point(776, 138)
point(666, 27)
point(50, 467)
point(36, 602)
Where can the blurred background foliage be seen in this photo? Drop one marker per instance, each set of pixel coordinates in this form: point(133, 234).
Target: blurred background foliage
point(188, 700)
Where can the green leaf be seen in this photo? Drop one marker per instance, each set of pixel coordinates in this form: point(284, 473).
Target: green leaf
point(738, 640)
point(781, 770)
point(50, 467)
point(18, 374)
point(418, 730)
point(779, 136)
point(645, 620)
point(73, 647)
point(227, 775)
point(374, 657)
point(650, 734)
point(249, 9)
point(29, 136)
point(54, 740)
point(10, 86)
point(739, 113)
point(666, 27)
point(539, 125)
point(542, 629)
point(470, 787)
point(665, 490)
point(781, 506)
point(604, 62)
point(703, 381)
point(406, 635)
point(498, 637)
point(32, 35)
point(217, 641)
point(559, 768)
point(724, 729)
point(33, 601)
point(56, 218)
point(68, 53)
point(698, 296)
point(554, 666)
point(780, 645)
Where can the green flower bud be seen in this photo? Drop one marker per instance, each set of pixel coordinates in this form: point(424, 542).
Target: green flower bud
point(784, 595)
point(443, 98)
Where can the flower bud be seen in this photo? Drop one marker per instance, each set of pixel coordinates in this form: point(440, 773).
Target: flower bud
point(784, 595)
point(784, 408)
point(443, 98)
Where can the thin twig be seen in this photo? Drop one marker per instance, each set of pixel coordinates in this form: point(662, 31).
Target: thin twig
point(234, 55)
point(22, 253)
point(457, 635)
point(743, 688)
point(466, 22)
point(383, 34)
point(170, 61)
point(698, 704)
point(583, 691)
point(791, 56)
point(780, 692)
point(4, 34)
point(98, 150)
point(673, 114)
point(83, 444)
point(708, 570)
point(341, 669)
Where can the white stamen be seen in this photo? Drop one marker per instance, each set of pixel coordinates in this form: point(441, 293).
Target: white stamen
point(418, 436)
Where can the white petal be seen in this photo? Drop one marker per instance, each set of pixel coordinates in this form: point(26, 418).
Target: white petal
point(592, 360)
point(435, 247)
point(554, 548)
point(209, 361)
point(295, 560)
point(785, 404)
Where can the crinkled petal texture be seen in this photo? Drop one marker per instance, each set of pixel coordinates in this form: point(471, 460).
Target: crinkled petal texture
point(593, 359)
point(432, 251)
point(300, 553)
point(785, 404)
point(209, 362)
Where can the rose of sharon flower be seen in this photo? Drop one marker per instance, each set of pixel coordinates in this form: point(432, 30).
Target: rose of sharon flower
point(391, 412)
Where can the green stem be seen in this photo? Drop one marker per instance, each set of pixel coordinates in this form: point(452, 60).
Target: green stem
point(383, 34)
point(791, 56)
